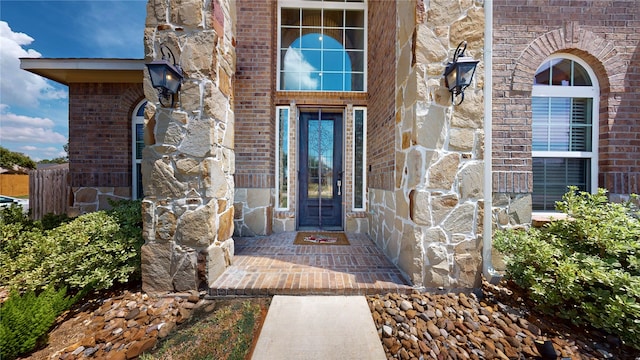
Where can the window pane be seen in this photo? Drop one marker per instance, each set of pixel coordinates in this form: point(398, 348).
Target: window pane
point(580, 76)
point(333, 81)
point(311, 17)
point(354, 39)
point(283, 158)
point(139, 141)
point(552, 176)
point(357, 60)
point(140, 111)
point(333, 18)
point(140, 190)
point(290, 17)
point(543, 74)
point(354, 19)
point(561, 72)
point(358, 181)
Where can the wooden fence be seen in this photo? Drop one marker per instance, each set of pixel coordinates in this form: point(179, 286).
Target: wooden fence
point(49, 191)
point(14, 184)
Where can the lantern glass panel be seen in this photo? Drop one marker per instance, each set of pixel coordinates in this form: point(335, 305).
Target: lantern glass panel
point(466, 70)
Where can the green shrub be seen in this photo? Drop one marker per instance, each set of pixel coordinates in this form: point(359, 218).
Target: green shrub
point(585, 268)
point(94, 250)
point(26, 318)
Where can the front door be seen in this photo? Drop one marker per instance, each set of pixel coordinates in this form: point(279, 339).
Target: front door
point(321, 182)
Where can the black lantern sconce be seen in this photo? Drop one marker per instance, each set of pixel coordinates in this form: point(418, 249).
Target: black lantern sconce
point(166, 76)
point(459, 73)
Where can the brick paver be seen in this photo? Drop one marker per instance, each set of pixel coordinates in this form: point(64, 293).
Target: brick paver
point(272, 265)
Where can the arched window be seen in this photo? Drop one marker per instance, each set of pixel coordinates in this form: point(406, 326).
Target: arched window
point(322, 45)
point(565, 129)
point(137, 138)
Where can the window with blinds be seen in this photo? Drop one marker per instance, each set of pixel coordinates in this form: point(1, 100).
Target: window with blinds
point(564, 135)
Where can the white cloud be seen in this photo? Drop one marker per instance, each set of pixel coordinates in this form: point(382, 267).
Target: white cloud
point(24, 129)
point(297, 69)
point(22, 120)
point(19, 87)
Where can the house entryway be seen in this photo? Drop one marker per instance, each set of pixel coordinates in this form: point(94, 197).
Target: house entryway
point(273, 265)
point(320, 172)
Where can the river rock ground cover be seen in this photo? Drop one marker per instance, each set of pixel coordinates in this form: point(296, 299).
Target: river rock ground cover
point(499, 324)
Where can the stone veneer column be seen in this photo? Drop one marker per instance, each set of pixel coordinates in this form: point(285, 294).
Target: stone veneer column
point(188, 161)
point(431, 225)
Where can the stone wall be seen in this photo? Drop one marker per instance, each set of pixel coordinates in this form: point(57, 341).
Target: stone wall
point(430, 225)
point(188, 163)
point(87, 199)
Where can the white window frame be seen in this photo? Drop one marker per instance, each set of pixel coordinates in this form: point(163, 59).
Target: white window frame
point(324, 5)
point(135, 120)
point(364, 159)
point(592, 92)
point(277, 153)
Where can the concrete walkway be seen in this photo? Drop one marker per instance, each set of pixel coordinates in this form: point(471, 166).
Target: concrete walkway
point(318, 327)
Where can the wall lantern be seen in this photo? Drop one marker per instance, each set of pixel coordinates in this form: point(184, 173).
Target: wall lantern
point(459, 73)
point(166, 76)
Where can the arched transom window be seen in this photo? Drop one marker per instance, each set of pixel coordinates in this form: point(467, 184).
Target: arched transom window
point(322, 45)
point(565, 129)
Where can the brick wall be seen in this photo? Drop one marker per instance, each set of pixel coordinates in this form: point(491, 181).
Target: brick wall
point(100, 133)
point(381, 88)
point(605, 34)
point(254, 87)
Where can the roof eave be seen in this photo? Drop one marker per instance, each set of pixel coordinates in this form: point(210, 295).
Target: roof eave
point(68, 71)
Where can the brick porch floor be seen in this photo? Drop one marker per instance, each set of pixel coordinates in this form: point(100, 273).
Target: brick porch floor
point(272, 265)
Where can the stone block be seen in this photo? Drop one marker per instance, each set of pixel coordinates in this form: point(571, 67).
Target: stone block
point(156, 267)
point(258, 197)
point(86, 195)
point(199, 139)
point(199, 56)
point(161, 182)
point(420, 211)
point(187, 166)
point(257, 221)
point(469, 114)
point(167, 130)
point(165, 225)
point(190, 96)
point(216, 263)
point(184, 268)
point(215, 180)
point(433, 236)
point(225, 224)
point(103, 201)
point(470, 29)
point(471, 181)
point(461, 219)
point(520, 210)
point(469, 270)
point(430, 128)
point(197, 228)
point(410, 259)
point(429, 48)
point(148, 220)
point(228, 248)
point(441, 175)
point(187, 12)
point(442, 205)
point(461, 139)
point(216, 104)
point(415, 168)
point(156, 13)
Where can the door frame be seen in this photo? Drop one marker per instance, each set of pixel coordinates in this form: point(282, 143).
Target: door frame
point(339, 154)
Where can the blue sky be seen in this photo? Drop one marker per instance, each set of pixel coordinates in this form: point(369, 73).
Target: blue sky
point(33, 110)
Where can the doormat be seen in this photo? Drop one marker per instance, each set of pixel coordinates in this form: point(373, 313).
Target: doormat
point(320, 238)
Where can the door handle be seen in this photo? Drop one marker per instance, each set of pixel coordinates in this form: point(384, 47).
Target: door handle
point(339, 187)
